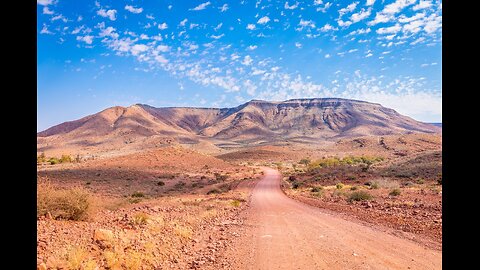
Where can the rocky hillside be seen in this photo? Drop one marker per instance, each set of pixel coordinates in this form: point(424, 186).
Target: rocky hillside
point(301, 120)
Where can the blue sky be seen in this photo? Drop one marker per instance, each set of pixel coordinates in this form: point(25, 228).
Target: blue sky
point(97, 54)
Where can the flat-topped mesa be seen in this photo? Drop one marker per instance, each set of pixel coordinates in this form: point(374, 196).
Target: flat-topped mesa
point(313, 119)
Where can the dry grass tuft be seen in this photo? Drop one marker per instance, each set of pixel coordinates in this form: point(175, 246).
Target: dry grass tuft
point(68, 204)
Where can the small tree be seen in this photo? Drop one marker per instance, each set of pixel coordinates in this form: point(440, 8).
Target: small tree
point(304, 161)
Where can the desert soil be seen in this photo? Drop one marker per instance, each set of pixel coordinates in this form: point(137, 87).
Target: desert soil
point(281, 233)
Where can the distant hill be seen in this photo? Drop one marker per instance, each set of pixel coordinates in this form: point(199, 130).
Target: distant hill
point(436, 124)
point(257, 121)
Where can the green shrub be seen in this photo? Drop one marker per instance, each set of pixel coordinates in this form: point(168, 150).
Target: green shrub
point(69, 204)
point(65, 159)
point(235, 203)
point(214, 191)
point(53, 161)
point(395, 192)
point(316, 189)
point(374, 185)
point(292, 178)
point(137, 194)
point(160, 183)
point(339, 186)
point(359, 196)
point(353, 188)
point(295, 185)
point(41, 158)
point(304, 161)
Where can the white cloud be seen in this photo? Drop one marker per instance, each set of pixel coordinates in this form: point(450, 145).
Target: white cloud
point(162, 26)
point(251, 26)
point(404, 19)
point(45, 30)
point(247, 60)
point(324, 8)
point(298, 45)
point(133, 9)
point(327, 27)
point(304, 23)
point(161, 59)
point(388, 13)
point(363, 14)
point(317, 2)
point(44, 2)
point(107, 32)
point(183, 23)
point(370, 2)
point(287, 6)
point(368, 55)
point(87, 39)
point(111, 13)
point(138, 48)
point(397, 6)
point(414, 26)
point(217, 37)
point(223, 8)
point(433, 23)
point(348, 9)
point(422, 5)
point(202, 6)
point(389, 30)
point(327, 55)
point(263, 20)
point(251, 47)
point(47, 11)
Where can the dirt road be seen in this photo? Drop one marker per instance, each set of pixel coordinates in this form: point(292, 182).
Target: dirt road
point(285, 234)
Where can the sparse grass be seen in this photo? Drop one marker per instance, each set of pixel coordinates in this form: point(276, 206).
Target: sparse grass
point(140, 219)
point(235, 203)
point(220, 177)
point(69, 204)
point(395, 192)
point(166, 176)
point(214, 191)
point(304, 161)
point(75, 258)
point(138, 194)
point(359, 196)
point(183, 231)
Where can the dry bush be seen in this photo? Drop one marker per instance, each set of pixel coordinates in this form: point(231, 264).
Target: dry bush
point(70, 204)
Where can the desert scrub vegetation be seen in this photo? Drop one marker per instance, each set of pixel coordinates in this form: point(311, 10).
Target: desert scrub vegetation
point(359, 196)
point(235, 203)
point(68, 204)
point(350, 160)
point(395, 192)
point(220, 177)
point(339, 186)
point(54, 160)
point(316, 189)
point(304, 161)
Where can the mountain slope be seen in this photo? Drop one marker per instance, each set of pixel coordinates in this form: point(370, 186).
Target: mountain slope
point(306, 120)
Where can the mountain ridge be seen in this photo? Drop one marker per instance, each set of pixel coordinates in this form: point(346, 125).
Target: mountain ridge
point(256, 121)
